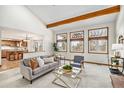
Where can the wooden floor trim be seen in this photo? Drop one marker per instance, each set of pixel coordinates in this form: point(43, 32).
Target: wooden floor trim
point(99, 63)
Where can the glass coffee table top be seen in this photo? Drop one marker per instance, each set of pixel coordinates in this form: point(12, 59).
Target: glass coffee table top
point(68, 78)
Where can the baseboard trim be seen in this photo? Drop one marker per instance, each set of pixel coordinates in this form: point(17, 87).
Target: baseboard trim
point(99, 63)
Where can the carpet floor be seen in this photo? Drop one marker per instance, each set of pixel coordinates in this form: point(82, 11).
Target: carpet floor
point(93, 76)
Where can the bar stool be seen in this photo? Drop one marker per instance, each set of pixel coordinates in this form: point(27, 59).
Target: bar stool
point(20, 56)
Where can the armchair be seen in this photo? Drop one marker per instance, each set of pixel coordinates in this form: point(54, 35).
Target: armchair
point(78, 62)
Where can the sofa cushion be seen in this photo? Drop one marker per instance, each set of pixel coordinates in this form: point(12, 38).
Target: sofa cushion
point(40, 69)
point(48, 60)
point(26, 62)
point(46, 66)
point(37, 70)
point(41, 57)
point(53, 64)
point(40, 61)
point(46, 56)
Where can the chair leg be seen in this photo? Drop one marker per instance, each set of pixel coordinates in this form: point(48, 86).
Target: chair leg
point(23, 77)
point(81, 70)
point(83, 65)
point(31, 82)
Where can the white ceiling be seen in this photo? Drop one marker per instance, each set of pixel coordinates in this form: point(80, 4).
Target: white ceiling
point(53, 13)
point(18, 35)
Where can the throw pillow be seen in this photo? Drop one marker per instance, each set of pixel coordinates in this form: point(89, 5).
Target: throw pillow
point(48, 60)
point(40, 61)
point(33, 63)
point(26, 62)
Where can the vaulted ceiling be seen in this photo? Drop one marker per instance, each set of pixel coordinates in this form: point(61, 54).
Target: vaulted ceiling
point(54, 13)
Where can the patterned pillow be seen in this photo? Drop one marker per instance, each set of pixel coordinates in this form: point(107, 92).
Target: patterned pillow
point(33, 63)
point(48, 60)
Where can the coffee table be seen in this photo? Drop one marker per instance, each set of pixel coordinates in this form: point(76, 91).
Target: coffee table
point(74, 77)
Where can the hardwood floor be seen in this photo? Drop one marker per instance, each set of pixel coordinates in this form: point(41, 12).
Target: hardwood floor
point(9, 64)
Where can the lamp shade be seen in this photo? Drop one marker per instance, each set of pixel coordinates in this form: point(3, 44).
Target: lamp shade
point(117, 46)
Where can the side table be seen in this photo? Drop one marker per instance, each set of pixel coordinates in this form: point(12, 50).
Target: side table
point(116, 70)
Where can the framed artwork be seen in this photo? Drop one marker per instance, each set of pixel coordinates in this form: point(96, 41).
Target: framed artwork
point(77, 42)
point(61, 40)
point(38, 45)
point(98, 40)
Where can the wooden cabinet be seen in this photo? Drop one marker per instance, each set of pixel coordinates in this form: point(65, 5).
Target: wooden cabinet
point(8, 43)
point(3, 52)
point(14, 55)
point(13, 49)
point(14, 43)
point(24, 44)
point(10, 56)
point(115, 64)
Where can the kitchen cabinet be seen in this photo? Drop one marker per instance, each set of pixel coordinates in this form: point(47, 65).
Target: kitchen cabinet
point(14, 43)
point(3, 52)
point(14, 55)
point(8, 43)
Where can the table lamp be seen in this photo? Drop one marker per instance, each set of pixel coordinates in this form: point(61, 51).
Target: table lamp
point(116, 48)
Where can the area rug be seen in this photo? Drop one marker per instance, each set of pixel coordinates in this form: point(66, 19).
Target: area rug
point(117, 81)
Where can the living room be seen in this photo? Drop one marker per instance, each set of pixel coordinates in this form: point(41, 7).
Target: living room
point(15, 43)
point(72, 34)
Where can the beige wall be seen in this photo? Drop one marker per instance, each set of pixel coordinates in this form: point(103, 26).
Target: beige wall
point(100, 58)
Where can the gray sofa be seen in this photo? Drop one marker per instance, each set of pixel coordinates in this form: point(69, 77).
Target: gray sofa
point(30, 74)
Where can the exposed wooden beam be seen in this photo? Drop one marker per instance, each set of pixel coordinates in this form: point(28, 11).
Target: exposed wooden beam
point(106, 11)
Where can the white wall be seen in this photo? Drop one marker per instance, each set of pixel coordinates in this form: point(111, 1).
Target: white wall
point(34, 54)
point(20, 18)
point(120, 27)
point(120, 22)
point(99, 58)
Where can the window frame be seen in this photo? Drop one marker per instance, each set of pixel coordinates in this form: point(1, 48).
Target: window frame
point(81, 39)
point(99, 38)
point(62, 41)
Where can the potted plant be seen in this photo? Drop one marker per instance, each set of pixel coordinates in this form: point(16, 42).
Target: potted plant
point(55, 50)
point(115, 61)
point(55, 47)
point(67, 68)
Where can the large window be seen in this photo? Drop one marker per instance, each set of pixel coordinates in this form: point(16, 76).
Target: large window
point(98, 40)
point(61, 40)
point(76, 42)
